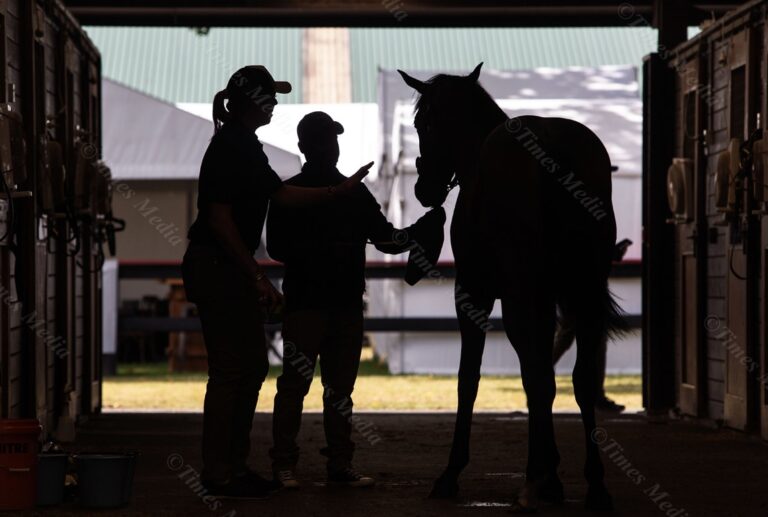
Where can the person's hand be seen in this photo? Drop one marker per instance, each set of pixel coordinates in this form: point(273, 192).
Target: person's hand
point(438, 213)
point(349, 185)
point(621, 249)
point(267, 294)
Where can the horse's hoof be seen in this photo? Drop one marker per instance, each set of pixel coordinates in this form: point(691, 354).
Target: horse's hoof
point(551, 491)
point(522, 508)
point(527, 499)
point(444, 488)
point(598, 500)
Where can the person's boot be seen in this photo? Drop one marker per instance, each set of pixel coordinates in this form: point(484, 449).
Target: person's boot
point(287, 479)
point(253, 477)
point(349, 477)
point(238, 487)
point(607, 405)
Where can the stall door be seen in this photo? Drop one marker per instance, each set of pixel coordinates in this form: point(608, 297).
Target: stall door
point(760, 209)
point(737, 341)
point(761, 194)
point(684, 186)
point(91, 266)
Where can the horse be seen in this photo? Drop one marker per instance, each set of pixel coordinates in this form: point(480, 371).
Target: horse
point(534, 227)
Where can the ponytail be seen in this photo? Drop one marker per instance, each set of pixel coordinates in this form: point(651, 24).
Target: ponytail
point(220, 113)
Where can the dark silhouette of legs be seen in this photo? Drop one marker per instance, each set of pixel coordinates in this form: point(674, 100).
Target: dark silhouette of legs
point(472, 345)
point(237, 366)
point(303, 335)
point(336, 336)
point(564, 339)
point(590, 335)
point(529, 321)
point(339, 362)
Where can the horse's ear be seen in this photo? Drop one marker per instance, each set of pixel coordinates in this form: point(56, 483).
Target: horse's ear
point(419, 86)
point(475, 75)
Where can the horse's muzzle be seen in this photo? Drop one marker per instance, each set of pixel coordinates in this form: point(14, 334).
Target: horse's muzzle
point(430, 193)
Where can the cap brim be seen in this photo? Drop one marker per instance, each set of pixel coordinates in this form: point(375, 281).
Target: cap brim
point(282, 87)
point(338, 127)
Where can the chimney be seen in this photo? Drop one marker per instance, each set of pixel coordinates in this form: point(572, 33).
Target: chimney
point(327, 72)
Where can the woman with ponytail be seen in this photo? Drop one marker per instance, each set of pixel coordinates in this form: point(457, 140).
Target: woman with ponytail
point(226, 283)
point(220, 113)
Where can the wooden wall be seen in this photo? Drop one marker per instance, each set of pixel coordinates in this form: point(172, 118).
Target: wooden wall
point(719, 275)
point(50, 326)
point(717, 263)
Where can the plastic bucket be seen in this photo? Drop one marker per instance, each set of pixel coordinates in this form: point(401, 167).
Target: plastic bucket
point(105, 480)
point(51, 470)
point(18, 463)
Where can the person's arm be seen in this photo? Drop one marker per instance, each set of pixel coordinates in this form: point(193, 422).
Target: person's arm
point(620, 249)
point(291, 195)
point(278, 229)
point(222, 224)
point(382, 234)
point(393, 241)
point(385, 237)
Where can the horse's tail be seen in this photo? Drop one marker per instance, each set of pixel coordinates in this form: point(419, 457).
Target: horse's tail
point(615, 322)
point(592, 310)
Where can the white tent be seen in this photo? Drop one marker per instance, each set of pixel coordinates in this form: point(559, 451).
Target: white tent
point(149, 139)
point(359, 144)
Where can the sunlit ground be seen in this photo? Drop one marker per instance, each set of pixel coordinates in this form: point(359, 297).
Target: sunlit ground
point(140, 386)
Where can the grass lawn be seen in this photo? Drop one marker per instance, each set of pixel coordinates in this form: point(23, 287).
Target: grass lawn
point(152, 387)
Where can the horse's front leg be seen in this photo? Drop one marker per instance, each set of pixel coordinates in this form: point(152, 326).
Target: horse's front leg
point(473, 313)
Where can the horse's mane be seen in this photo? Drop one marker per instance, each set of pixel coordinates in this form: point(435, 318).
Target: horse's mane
point(484, 111)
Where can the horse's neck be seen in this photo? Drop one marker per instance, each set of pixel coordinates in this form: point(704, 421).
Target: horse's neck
point(468, 159)
point(469, 154)
point(467, 174)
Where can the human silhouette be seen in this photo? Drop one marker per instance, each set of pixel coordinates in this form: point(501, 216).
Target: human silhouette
point(229, 287)
point(566, 334)
point(323, 249)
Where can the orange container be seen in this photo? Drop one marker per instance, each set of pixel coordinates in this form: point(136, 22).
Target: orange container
point(18, 463)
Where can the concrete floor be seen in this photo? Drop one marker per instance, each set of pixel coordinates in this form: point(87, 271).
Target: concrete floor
point(703, 471)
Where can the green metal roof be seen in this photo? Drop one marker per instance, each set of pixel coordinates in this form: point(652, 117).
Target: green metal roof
point(180, 65)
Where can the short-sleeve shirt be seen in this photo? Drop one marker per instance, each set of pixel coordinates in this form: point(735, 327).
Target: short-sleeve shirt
point(323, 246)
point(235, 171)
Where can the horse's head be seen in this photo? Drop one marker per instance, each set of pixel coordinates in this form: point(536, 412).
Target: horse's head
point(443, 105)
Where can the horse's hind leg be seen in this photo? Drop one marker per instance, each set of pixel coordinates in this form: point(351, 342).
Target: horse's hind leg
point(472, 313)
point(529, 321)
point(590, 331)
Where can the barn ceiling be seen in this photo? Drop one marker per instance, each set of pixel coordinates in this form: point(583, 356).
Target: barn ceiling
point(387, 13)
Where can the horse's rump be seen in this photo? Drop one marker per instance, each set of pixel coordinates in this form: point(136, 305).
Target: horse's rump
point(545, 175)
point(543, 200)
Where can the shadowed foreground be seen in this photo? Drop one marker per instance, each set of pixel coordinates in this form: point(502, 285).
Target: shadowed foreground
point(703, 471)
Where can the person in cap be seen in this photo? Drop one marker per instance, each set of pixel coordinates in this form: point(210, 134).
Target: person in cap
point(323, 249)
point(224, 280)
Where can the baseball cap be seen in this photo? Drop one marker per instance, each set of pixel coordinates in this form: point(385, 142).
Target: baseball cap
point(255, 82)
point(317, 124)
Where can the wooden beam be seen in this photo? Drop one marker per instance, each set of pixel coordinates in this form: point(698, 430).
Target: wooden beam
point(381, 13)
point(658, 237)
point(327, 68)
point(671, 17)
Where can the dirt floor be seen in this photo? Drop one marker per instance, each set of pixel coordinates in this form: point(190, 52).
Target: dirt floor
point(677, 469)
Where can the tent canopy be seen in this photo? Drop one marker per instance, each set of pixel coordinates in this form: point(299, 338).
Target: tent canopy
point(148, 139)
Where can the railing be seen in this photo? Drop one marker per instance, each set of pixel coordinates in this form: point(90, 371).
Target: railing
point(135, 270)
